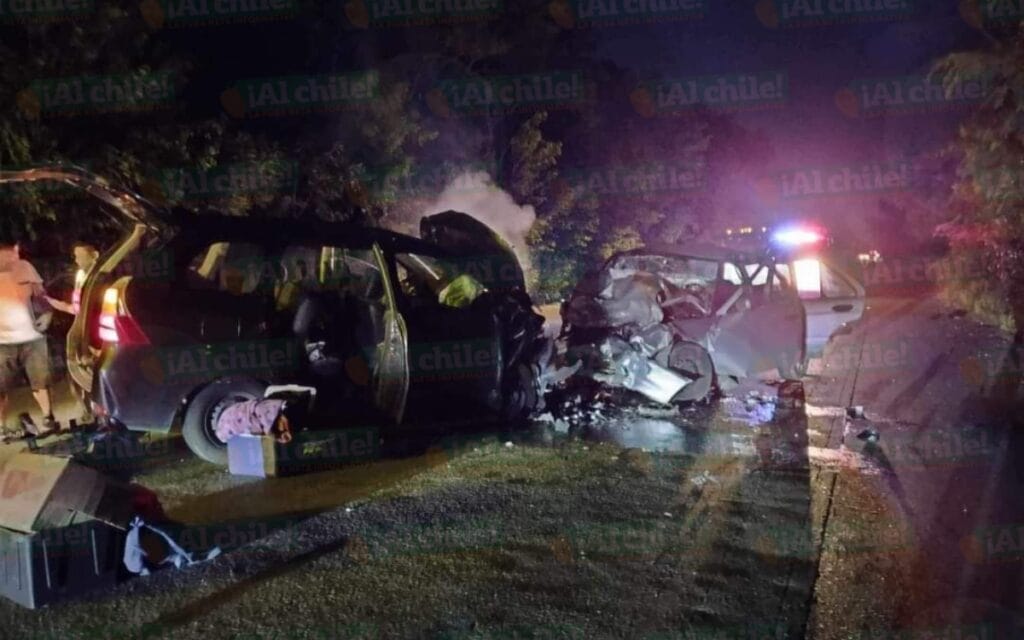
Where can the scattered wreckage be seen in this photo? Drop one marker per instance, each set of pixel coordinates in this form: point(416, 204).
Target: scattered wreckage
point(183, 318)
point(674, 323)
point(180, 320)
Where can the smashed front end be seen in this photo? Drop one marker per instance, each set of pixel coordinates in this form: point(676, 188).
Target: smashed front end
point(489, 269)
point(642, 323)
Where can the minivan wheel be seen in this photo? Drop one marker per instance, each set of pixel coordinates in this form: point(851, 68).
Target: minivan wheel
point(200, 422)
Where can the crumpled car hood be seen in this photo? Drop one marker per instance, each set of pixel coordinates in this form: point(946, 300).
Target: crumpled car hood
point(486, 255)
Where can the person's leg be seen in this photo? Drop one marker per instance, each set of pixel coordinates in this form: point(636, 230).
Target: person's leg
point(42, 397)
point(36, 360)
point(8, 369)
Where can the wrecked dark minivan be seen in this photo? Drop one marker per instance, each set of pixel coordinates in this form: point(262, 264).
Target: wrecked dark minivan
point(674, 323)
point(190, 313)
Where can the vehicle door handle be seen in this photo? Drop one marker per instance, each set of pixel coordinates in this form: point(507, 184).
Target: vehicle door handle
point(842, 308)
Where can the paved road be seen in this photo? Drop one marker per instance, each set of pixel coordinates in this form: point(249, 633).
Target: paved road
point(945, 503)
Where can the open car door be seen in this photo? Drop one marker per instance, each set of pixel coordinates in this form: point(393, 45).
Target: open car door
point(391, 373)
point(833, 299)
point(760, 324)
point(143, 220)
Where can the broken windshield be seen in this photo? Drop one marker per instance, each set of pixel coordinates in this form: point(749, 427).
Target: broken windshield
point(676, 270)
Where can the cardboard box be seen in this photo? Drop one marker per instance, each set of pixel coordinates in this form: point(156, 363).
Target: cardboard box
point(39, 492)
point(309, 451)
point(37, 569)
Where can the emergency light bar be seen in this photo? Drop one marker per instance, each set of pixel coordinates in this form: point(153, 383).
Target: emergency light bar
point(797, 237)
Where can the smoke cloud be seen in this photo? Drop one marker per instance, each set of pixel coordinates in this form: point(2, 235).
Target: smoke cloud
point(476, 194)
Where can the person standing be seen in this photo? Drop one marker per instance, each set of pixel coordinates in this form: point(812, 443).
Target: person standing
point(23, 349)
point(85, 256)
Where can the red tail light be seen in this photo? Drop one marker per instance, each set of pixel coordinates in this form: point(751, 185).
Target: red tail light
point(117, 327)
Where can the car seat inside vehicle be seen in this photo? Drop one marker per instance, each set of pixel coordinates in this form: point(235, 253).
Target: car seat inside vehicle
point(339, 316)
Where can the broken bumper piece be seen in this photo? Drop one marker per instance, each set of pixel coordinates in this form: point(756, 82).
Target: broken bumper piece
point(630, 368)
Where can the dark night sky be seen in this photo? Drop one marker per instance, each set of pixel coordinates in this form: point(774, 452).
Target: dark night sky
point(820, 60)
point(810, 131)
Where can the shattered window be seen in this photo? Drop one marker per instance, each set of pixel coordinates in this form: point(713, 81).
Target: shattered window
point(770, 277)
point(677, 270)
point(685, 286)
point(780, 282)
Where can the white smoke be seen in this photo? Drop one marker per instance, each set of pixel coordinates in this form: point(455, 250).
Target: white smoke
point(476, 194)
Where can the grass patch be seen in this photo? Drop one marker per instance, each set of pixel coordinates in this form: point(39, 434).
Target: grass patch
point(493, 462)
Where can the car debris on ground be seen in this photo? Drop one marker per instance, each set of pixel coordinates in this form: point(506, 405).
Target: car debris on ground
point(869, 435)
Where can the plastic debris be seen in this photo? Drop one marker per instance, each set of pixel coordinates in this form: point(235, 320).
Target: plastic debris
point(869, 435)
point(703, 478)
point(135, 556)
point(855, 412)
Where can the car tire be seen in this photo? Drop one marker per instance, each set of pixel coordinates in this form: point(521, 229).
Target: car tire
point(692, 361)
point(522, 395)
point(202, 413)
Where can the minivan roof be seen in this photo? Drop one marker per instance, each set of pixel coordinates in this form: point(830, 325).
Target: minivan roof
point(216, 226)
point(215, 223)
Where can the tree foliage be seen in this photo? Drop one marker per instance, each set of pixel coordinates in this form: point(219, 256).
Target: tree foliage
point(988, 197)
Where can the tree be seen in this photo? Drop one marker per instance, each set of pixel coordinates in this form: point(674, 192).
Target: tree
point(562, 237)
point(133, 144)
point(987, 230)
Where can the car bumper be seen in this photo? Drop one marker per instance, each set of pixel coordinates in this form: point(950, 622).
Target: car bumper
point(131, 391)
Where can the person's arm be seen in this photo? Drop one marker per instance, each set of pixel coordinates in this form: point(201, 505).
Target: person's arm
point(29, 277)
point(60, 305)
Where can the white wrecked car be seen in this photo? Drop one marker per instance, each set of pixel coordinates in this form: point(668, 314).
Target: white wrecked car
point(673, 323)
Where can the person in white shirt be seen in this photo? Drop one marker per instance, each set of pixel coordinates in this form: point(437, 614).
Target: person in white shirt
point(23, 349)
